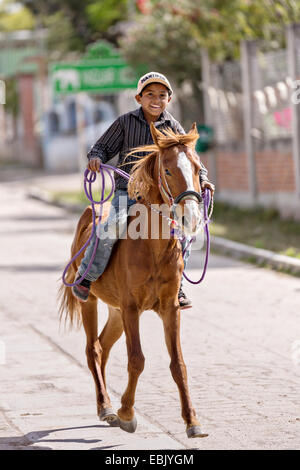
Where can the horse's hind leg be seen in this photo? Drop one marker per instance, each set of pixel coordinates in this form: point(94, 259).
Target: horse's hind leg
point(94, 359)
point(136, 362)
point(111, 332)
point(171, 321)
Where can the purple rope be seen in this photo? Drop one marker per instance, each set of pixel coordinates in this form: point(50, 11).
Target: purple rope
point(206, 206)
point(88, 180)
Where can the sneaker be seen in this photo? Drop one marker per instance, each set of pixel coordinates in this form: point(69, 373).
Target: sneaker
point(81, 291)
point(184, 302)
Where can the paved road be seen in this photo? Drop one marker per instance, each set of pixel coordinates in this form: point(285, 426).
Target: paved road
point(237, 343)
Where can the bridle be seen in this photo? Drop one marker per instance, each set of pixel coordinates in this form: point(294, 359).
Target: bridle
point(175, 230)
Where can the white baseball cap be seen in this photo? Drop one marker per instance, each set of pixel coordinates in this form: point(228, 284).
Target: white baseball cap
point(153, 77)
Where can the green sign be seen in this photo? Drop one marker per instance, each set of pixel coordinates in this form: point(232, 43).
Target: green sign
point(101, 70)
point(104, 76)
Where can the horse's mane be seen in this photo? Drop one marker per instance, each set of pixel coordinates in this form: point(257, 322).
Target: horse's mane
point(141, 180)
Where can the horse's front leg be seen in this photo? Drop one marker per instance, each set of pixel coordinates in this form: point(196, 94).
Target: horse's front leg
point(170, 314)
point(136, 363)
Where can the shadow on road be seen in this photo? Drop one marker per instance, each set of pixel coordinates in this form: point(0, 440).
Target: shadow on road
point(28, 440)
point(31, 218)
point(21, 232)
point(30, 268)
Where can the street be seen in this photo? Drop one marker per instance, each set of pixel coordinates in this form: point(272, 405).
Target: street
point(239, 343)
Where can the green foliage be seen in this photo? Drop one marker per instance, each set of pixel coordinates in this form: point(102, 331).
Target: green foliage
point(291, 251)
point(165, 44)
point(104, 13)
point(170, 37)
point(12, 96)
point(218, 25)
point(73, 24)
point(42, 7)
point(259, 227)
point(67, 198)
point(221, 26)
point(61, 37)
point(16, 19)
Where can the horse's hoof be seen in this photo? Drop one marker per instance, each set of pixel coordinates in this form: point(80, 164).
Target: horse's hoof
point(128, 426)
point(108, 415)
point(195, 431)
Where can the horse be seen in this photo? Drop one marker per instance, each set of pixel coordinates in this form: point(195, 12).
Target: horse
point(129, 285)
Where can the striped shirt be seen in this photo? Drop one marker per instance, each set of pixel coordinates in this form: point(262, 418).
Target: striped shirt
point(129, 131)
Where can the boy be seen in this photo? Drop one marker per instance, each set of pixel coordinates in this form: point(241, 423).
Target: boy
point(130, 130)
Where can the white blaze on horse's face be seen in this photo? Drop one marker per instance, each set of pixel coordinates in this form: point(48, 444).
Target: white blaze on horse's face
point(191, 219)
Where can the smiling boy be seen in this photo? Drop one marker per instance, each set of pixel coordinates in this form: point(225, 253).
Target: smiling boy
point(129, 131)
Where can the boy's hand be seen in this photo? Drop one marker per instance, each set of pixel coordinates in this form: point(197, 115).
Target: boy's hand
point(208, 185)
point(94, 164)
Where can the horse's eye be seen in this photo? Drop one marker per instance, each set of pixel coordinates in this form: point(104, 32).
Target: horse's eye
point(167, 172)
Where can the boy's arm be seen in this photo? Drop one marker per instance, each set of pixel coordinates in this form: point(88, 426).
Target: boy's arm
point(109, 144)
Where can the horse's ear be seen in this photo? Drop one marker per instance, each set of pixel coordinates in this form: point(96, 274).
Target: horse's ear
point(194, 128)
point(154, 133)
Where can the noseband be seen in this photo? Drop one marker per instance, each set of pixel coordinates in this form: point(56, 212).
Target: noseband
point(188, 195)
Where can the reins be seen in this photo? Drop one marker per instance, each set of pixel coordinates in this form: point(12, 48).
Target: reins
point(207, 200)
point(89, 179)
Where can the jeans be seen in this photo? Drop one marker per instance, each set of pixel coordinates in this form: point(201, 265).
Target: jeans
point(109, 233)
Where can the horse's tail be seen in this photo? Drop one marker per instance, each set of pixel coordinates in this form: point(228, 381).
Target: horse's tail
point(70, 307)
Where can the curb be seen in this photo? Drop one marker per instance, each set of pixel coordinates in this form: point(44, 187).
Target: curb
point(220, 245)
point(258, 255)
point(44, 196)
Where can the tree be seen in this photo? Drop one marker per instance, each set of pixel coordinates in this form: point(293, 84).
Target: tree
point(217, 25)
point(170, 37)
point(220, 25)
point(14, 17)
point(163, 42)
point(73, 24)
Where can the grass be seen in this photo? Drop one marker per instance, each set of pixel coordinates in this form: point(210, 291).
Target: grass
point(261, 228)
point(76, 197)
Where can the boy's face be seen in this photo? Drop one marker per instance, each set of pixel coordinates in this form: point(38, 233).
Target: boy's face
point(154, 100)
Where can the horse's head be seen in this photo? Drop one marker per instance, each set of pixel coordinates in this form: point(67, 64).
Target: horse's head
point(172, 171)
point(178, 169)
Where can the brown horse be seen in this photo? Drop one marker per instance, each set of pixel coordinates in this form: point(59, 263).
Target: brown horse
point(143, 274)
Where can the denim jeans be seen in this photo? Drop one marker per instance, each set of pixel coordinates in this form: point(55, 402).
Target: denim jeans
point(109, 233)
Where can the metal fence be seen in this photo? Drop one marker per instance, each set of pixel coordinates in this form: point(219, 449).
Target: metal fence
point(271, 90)
point(226, 101)
point(270, 86)
point(254, 104)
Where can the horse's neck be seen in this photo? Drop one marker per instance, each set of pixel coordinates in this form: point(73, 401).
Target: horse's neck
point(159, 231)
